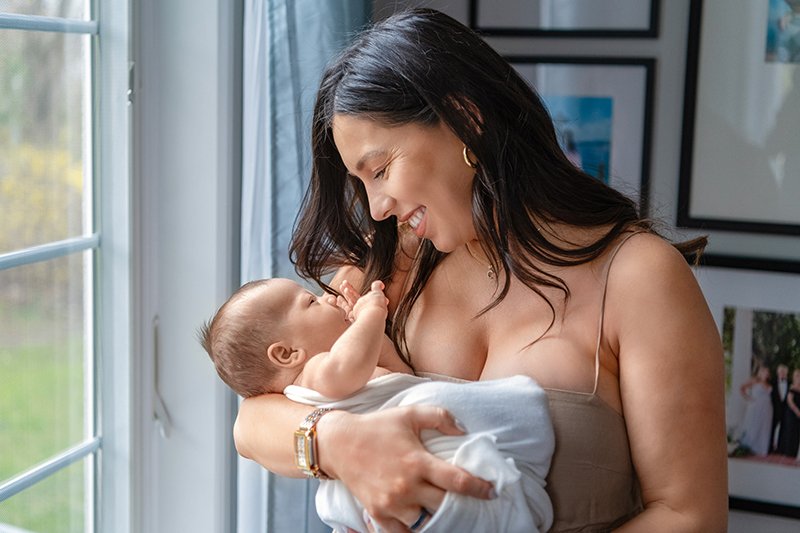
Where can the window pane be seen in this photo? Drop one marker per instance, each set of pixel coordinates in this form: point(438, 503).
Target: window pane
point(73, 9)
point(58, 504)
point(44, 135)
point(43, 338)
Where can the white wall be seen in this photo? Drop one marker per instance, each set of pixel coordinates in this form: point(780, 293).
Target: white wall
point(186, 198)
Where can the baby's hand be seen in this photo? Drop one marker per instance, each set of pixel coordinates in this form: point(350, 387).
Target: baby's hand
point(347, 299)
point(374, 300)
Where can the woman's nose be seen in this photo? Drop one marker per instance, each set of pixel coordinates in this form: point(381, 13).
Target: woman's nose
point(380, 206)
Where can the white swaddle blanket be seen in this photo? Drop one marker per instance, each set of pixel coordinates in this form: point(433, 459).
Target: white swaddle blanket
point(509, 442)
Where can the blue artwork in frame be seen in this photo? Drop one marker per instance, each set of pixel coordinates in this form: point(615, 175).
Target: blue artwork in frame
point(583, 124)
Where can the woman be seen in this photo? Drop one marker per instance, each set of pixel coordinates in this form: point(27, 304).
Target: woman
point(755, 429)
point(437, 169)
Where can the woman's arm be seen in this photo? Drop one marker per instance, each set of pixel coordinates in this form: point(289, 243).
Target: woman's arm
point(745, 389)
point(381, 460)
point(672, 388)
point(378, 456)
point(263, 431)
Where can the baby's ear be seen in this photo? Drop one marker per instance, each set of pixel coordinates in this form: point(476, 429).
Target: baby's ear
point(283, 355)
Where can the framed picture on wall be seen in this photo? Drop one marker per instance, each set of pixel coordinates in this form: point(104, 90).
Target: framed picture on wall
point(758, 315)
point(740, 155)
point(602, 110)
point(566, 18)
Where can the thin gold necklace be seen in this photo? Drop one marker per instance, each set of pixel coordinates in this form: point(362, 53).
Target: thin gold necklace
point(490, 273)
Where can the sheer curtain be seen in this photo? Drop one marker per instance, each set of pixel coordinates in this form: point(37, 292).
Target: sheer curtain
point(286, 45)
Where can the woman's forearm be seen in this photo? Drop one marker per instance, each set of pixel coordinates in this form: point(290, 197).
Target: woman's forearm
point(263, 432)
point(745, 389)
point(658, 518)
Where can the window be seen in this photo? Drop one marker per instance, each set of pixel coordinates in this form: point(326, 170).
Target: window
point(61, 264)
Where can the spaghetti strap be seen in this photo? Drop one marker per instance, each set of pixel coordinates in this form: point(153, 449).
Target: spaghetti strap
point(603, 311)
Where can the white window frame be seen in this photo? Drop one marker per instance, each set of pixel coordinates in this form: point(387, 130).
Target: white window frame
point(108, 367)
point(167, 165)
point(114, 288)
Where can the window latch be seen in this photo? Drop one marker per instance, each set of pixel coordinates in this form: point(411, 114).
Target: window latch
point(160, 413)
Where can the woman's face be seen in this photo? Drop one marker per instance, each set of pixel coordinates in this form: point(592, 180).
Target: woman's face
point(414, 172)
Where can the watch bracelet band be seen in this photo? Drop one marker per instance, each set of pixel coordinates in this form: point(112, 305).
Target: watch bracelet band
point(305, 445)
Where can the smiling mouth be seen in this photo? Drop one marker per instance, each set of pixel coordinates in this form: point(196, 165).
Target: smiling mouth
point(416, 218)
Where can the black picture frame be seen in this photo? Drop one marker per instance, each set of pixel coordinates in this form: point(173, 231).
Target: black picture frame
point(764, 485)
point(699, 131)
point(640, 79)
point(755, 506)
point(750, 263)
point(648, 30)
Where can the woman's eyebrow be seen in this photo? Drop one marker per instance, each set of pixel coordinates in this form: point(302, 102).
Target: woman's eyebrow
point(369, 155)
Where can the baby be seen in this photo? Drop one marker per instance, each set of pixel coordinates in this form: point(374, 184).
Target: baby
point(273, 333)
point(331, 351)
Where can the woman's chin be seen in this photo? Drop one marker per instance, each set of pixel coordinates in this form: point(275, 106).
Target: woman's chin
point(445, 246)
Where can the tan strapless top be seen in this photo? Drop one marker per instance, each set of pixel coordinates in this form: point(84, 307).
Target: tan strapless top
point(591, 482)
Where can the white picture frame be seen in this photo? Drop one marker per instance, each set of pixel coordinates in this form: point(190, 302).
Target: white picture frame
point(628, 82)
point(752, 484)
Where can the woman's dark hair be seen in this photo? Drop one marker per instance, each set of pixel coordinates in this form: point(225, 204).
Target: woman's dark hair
point(421, 66)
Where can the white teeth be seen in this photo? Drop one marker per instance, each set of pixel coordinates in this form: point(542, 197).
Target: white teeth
point(416, 218)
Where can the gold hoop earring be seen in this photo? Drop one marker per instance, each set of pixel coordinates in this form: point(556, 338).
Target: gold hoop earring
point(467, 159)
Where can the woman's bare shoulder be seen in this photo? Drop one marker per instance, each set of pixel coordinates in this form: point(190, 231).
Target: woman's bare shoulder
point(650, 281)
point(654, 303)
point(646, 259)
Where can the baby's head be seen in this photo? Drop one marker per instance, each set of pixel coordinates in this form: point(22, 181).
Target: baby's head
point(261, 338)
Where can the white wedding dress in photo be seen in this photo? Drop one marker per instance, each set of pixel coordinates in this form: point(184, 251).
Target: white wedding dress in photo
point(756, 425)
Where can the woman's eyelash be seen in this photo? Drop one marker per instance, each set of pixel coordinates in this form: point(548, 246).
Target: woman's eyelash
point(380, 174)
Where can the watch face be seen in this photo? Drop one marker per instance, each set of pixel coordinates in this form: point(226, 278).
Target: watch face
point(300, 455)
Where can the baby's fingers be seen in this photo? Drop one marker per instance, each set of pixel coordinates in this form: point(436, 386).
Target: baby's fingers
point(345, 305)
point(349, 292)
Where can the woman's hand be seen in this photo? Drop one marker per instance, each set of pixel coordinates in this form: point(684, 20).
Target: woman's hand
point(381, 460)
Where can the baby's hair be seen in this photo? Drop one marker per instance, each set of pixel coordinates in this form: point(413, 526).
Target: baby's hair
point(236, 339)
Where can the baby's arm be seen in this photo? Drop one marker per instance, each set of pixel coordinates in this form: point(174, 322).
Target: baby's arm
point(353, 357)
point(390, 361)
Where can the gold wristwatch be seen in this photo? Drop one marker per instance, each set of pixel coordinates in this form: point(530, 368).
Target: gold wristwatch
point(306, 457)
